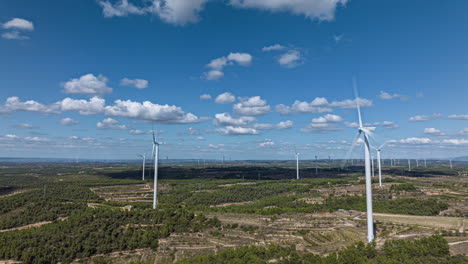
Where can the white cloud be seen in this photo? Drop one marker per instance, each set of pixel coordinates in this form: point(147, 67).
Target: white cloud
point(352, 124)
point(389, 124)
point(182, 12)
point(433, 132)
point(323, 124)
point(267, 144)
point(252, 106)
point(88, 84)
point(225, 119)
point(110, 123)
point(328, 118)
point(14, 35)
point(387, 96)
point(273, 47)
point(461, 117)
point(290, 59)
point(217, 146)
point(68, 121)
point(136, 83)
point(463, 132)
point(140, 132)
point(19, 23)
point(243, 59)
point(201, 138)
point(92, 106)
point(281, 125)
point(225, 98)
point(205, 97)
point(351, 104)
point(422, 118)
point(322, 10)
point(177, 12)
point(24, 126)
point(14, 104)
point(217, 65)
point(455, 141)
point(415, 141)
point(148, 111)
point(318, 105)
point(231, 130)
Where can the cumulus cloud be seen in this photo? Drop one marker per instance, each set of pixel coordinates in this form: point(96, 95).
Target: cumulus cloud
point(136, 83)
point(177, 12)
point(267, 144)
point(463, 132)
point(225, 98)
point(149, 111)
point(290, 59)
point(387, 96)
point(422, 118)
point(460, 117)
point(434, 132)
point(273, 47)
point(323, 124)
point(313, 9)
point(92, 106)
point(140, 132)
point(415, 141)
point(205, 97)
point(110, 123)
point(318, 105)
point(24, 126)
point(225, 119)
point(281, 125)
point(16, 25)
point(351, 104)
point(252, 106)
point(217, 65)
point(182, 12)
point(87, 84)
point(389, 124)
point(455, 141)
point(231, 130)
point(14, 35)
point(15, 138)
point(68, 121)
point(14, 104)
point(19, 23)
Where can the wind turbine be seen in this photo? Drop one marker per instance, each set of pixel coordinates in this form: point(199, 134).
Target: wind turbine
point(297, 163)
point(379, 163)
point(316, 165)
point(451, 167)
point(409, 165)
point(144, 165)
point(425, 163)
point(156, 160)
point(367, 161)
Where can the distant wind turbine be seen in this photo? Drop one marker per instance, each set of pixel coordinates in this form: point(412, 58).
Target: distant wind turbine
point(409, 165)
point(379, 163)
point(156, 160)
point(144, 165)
point(297, 163)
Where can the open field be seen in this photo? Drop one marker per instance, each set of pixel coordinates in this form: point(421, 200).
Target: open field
point(209, 210)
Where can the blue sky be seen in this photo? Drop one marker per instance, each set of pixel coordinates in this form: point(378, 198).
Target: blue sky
point(90, 78)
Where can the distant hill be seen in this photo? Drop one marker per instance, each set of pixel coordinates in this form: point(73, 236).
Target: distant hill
point(464, 158)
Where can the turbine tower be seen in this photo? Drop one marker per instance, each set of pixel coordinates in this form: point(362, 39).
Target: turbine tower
point(451, 167)
point(379, 163)
point(156, 160)
point(367, 161)
point(297, 163)
point(144, 165)
point(409, 165)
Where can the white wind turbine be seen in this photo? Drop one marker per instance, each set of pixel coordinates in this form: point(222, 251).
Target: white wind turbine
point(367, 161)
point(297, 163)
point(156, 160)
point(144, 165)
point(409, 165)
point(379, 162)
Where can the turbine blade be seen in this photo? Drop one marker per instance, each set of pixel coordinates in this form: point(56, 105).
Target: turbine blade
point(356, 95)
point(381, 146)
point(353, 144)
